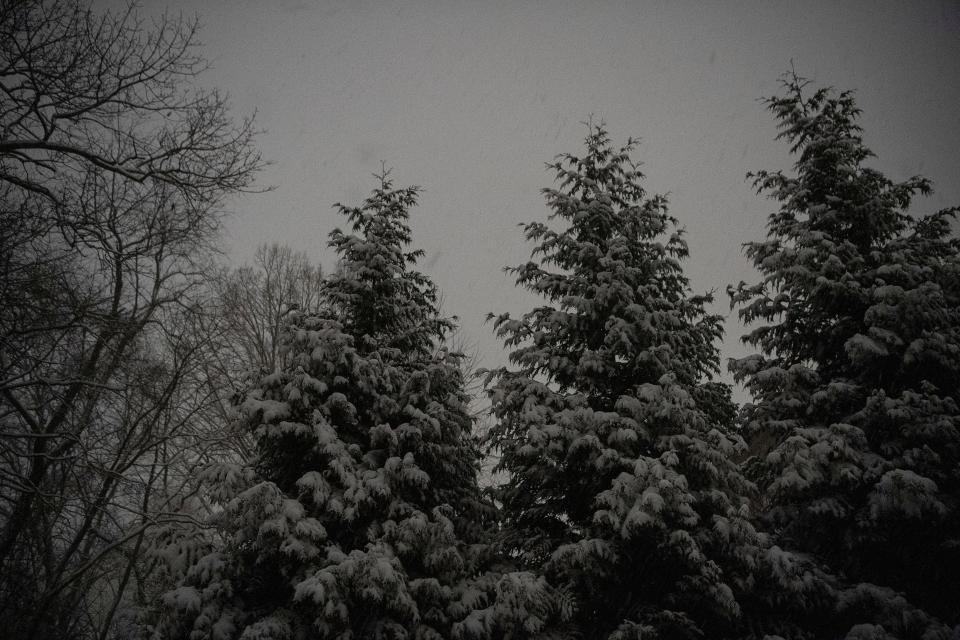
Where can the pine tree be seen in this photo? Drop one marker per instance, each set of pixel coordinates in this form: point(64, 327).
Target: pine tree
point(362, 517)
point(616, 444)
point(854, 423)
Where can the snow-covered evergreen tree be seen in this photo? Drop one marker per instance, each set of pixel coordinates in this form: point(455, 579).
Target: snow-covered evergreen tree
point(615, 444)
point(855, 422)
point(361, 517)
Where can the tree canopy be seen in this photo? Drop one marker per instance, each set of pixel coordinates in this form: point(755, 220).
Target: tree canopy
point(855, 388)
point(616, 444)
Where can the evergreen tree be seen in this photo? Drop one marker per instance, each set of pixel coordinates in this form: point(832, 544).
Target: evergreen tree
point(361, 517)
point(616, 445)
point(855, 423)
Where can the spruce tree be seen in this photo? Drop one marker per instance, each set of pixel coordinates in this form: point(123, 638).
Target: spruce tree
point(854, 421)
point(361, 517)
point(615, 443)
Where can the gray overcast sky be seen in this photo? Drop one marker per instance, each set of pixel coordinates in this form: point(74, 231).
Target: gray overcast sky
point(469, 99)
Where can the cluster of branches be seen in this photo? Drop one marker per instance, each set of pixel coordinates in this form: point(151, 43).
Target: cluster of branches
point(119, 354)
point(83, 91)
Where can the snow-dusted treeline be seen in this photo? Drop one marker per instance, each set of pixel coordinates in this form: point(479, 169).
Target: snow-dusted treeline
point(196, 451)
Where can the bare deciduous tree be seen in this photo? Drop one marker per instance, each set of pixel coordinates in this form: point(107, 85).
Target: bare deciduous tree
point(97, 363)
point(255, 298)
point(112, 169)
